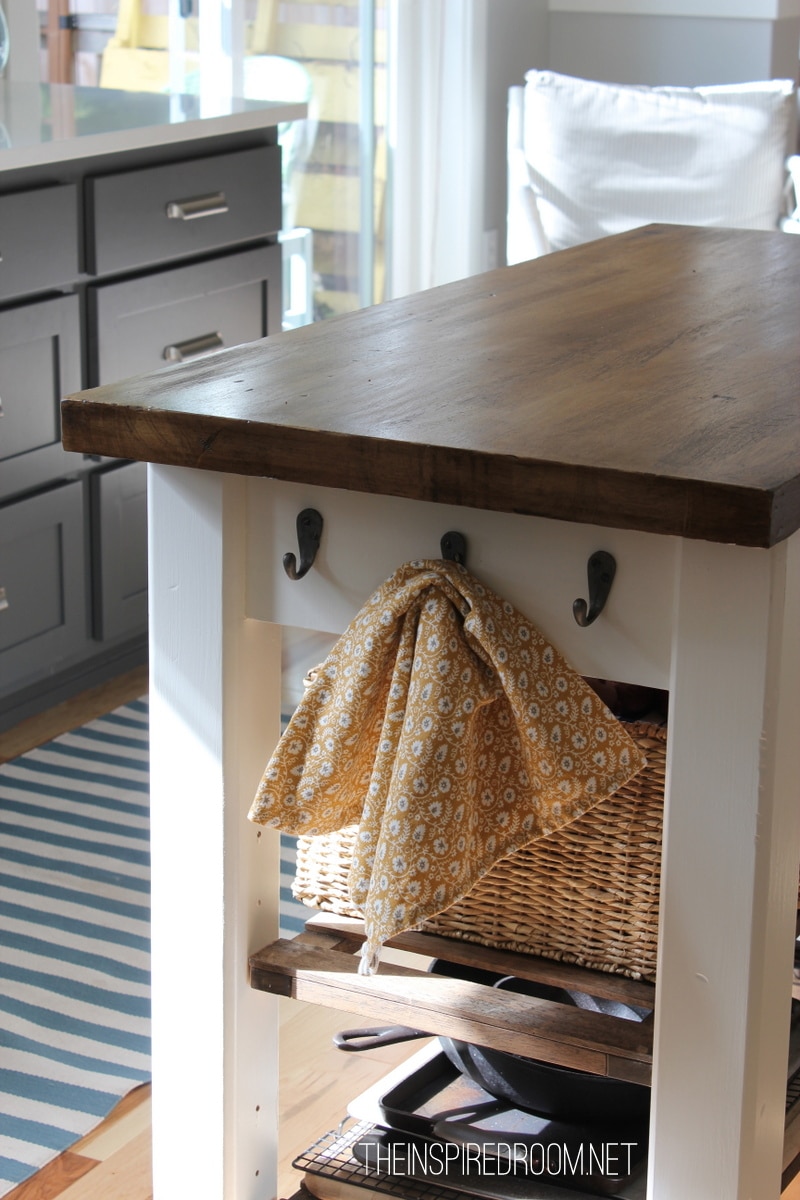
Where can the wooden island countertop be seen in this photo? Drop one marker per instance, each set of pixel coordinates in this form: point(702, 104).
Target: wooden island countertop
point(648, 381)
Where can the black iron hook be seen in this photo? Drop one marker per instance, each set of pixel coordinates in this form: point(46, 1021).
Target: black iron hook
point(309, 532)
point(601, 570)
point(454, 547)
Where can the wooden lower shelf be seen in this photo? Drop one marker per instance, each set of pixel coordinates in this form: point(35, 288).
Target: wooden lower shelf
point(320, 966)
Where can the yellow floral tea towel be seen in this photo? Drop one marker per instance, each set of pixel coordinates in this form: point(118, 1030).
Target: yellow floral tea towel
point(452, 733)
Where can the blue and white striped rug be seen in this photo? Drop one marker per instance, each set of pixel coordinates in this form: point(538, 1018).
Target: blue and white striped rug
point(74, 936)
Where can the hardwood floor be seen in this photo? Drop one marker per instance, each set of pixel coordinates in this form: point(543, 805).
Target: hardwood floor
point(112, 1163)
point(63, 717)
point(316, 1081)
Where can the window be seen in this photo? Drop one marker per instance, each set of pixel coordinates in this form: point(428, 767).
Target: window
point(334, 54)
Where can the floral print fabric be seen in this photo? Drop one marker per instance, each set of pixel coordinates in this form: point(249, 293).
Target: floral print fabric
point(452, 733)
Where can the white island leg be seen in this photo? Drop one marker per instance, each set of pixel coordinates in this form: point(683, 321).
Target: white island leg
point(215, 688)
point(729, 880)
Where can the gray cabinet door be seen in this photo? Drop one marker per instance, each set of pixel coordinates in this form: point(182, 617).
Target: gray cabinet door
point(40, 362)
point(168, 316)
point(186, 208)
point(119, 551)
point(38, 239)
point(43, 612)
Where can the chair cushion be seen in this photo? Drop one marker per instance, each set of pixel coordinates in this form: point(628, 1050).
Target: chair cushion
point(604, 158)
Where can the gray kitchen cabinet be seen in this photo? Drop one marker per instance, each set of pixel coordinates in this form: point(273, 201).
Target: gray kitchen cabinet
point(169, 316)
point(42, 582)
point(38, 242)
point(40, 360)
point(181, 209)
point(118, 499)
point(123, 248)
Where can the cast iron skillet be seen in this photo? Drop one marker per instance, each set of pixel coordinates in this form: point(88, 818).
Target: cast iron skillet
point(559, 1093)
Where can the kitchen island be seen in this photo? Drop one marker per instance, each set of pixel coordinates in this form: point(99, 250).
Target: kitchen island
point(97, 282)
point(637, 395)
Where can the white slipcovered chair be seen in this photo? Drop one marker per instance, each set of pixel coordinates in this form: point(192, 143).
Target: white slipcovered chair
point(589, 159)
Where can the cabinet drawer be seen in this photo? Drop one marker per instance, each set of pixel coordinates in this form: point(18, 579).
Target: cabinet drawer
point(38, 239)
point(43, 600)
point(142, 324)
point(137, 218)
point(119, 551)
point(40, 361)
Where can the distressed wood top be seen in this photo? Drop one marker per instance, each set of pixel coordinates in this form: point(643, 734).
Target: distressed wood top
point(471, 1012)
point(647, 381)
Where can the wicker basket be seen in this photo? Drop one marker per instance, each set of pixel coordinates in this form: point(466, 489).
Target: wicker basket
point(587, 894)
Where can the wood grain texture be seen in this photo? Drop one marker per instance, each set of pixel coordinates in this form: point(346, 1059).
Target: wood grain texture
point(501, 962)
point(129, 1122)
point(456, 1008)
point(125, 1175)
point(646, 381)
point(131, 1117)
point(54, 1179)
point(317, 1081)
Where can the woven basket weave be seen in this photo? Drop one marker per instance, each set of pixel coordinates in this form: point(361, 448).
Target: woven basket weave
point(587, 894)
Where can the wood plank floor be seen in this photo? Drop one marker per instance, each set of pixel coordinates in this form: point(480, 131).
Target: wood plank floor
point(316, 1081)
point(71, 713)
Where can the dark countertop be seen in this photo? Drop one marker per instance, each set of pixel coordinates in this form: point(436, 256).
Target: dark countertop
point(647, 381)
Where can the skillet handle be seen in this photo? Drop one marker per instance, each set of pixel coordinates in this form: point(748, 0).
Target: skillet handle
point(355, 1040)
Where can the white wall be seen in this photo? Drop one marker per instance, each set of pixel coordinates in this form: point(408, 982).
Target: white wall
point(23, 28)
point(699, 41)
point(516, 41)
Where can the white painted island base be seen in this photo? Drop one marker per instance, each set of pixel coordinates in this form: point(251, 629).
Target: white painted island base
point(717, 625)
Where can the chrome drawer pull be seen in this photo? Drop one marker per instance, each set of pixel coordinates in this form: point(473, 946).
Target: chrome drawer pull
point(192, 347)
point(3, 599)
point(197, 206)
